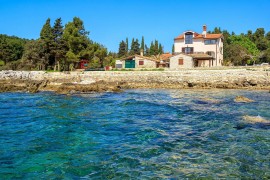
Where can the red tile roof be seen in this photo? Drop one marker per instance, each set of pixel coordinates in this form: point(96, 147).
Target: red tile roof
point(165, 56)
point(209, 36)
point(181, 36)
point(198, 36)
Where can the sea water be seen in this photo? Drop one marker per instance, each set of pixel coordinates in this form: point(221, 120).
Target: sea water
point(136, 134)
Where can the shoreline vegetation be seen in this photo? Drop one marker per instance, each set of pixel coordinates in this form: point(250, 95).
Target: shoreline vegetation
point(116, 81)
point(61, 47)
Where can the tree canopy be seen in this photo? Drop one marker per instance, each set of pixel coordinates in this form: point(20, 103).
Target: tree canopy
point(246, 48)
point(60, 47)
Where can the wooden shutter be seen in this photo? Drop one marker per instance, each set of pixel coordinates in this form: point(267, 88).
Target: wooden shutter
point(183, 50)
point(180, 61)
point(191, 50)
point(141, 62)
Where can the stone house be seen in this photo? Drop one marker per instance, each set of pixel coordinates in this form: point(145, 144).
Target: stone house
point(138, 61)
point(190, 42)
point(181, 61)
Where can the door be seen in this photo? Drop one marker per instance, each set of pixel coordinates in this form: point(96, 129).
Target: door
point(130, 64)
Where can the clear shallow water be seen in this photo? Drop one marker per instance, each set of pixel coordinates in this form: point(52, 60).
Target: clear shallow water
point(143, 134)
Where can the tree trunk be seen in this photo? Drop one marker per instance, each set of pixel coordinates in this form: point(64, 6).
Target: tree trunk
point(55, 60)
point(58, 65)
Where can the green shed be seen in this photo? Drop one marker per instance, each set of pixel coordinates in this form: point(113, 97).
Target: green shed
point(129, 63)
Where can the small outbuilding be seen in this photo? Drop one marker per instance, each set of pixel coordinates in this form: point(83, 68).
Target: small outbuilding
point(118, 64)
point(137, 61)
point(83, 64)
point(181, 61)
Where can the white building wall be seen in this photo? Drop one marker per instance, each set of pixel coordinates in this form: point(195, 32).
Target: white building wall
point(187, 62)
point(147, 63)
point(123, 64)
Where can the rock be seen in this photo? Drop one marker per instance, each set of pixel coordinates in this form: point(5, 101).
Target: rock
point(209, 100)
point(255, 119)
point(253, 82)
point(242, 99)
point(90, 81)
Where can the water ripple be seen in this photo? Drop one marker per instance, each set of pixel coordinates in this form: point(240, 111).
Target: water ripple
point(137, 134)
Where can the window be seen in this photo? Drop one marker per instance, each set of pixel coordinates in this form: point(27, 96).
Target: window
point(210, 41)
point(141, 62)
point(221, 50)
point(187, 50)
point(189, 38)
point(211, 53)
point(180, 61)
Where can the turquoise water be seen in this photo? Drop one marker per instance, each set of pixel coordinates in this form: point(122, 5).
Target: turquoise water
point(136, 134)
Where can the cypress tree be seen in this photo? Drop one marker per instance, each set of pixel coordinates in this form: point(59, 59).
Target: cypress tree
point(142, 44)
point(160, 49)
point(152, 49)
point(156, 48)
point(132, 47)
point(147, 51)
point(173, 49)
point(126, 46)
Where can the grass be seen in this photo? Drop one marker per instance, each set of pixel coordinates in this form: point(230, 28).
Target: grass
point(154, 69)
point(50, 71)
point(251, 69)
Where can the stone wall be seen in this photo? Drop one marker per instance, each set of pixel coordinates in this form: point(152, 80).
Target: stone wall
point(187, 62)
point(232, 78)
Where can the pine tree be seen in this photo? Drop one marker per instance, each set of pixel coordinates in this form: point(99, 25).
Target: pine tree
point(59, 46)
point(46, 31)
point(78, 43)
point(250, 35)
point(46, 36)
point(216, 30)
point(136, 47)
point(122, 49)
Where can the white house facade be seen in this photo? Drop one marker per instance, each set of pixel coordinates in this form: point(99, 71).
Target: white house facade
point(192, 43)
point(136, 61)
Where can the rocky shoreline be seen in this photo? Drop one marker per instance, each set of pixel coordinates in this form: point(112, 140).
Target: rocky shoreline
point(115, 81)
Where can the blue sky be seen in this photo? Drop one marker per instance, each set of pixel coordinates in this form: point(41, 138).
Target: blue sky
point(110, 21)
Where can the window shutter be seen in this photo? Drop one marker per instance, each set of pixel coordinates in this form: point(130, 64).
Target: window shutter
point(183, 50)
point(191, 50)
point(180, 61)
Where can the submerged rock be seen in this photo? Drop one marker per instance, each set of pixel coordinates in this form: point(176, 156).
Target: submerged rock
point(242, 99)
point(253, 122)
point(255, 119)
point(208, 100)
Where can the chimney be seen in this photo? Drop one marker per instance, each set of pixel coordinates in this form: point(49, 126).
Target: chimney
point(204, 30)
point(141, 52)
